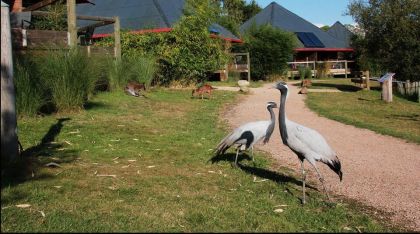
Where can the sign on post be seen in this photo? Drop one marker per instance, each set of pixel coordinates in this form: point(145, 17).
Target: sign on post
point(386, 85)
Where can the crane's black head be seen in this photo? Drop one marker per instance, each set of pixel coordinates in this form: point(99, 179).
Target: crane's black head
point(281, 85)
point(271, 105)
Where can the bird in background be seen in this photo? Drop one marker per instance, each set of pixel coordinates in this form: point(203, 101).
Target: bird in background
point(247, 135)
point(305, 142)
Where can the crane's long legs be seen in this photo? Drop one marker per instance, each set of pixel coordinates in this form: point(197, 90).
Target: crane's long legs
point(252, 153)
point(236, 158)
point(303, 182)
point(322, 181)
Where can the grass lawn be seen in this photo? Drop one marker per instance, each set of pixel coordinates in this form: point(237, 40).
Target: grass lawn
point(365, 109)
point(142, 165)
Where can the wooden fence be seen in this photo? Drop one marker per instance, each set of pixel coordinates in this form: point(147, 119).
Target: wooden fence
point(38, 39)
point(336, 67)
point(408, 88)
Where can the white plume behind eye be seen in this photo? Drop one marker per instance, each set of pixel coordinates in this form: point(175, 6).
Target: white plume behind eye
point(273, 104)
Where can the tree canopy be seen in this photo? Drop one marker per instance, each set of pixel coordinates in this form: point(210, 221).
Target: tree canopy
point(270, 50)
point(392, 32)
point(233, 13)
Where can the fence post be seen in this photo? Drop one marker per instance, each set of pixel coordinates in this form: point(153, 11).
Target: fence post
point(117, 37)
point(345, 68)
point(418, 94)
point(367, 80)
point(71, 22)
point(249, 66)
point(9, 141)
point(314, 70)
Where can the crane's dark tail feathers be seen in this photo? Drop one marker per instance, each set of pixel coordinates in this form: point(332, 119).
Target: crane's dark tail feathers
point(335, 165)
point(221, 148)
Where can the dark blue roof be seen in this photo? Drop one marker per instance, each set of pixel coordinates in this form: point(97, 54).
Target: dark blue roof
point(139, 15)
point(279, 17)
point(339, 31)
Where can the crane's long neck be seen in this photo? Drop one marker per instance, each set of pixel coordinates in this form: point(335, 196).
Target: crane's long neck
point(270, 128)
point(282, 117)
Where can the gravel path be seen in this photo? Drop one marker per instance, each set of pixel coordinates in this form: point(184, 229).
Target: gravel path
point(379, 171)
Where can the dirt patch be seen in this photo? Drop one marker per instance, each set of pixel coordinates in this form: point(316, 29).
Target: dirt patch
point(379, 171)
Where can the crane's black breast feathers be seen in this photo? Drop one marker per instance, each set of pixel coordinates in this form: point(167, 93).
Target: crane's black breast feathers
point(248, 136)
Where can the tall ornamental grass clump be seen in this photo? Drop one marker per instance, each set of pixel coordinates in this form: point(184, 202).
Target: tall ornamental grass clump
point(30, 92)
point(131, 68)
point(70, 76)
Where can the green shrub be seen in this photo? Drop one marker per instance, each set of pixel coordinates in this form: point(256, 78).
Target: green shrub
point(308, 73)
point(270, 49)
point(55, 19)
point(70, 77)
point(323, 69)
point(301, 70)
point(304, 72)
point(187, 53)
point(29, 89)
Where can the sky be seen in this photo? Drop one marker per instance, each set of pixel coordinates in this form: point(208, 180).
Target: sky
point(318, 12)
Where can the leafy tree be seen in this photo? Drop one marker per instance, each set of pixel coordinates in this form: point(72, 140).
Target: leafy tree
point(270, 49)
point(250, 10)
point(235, 12)
point(392, 30)
point(325, 28)
point(56, 19)
point(194, 53)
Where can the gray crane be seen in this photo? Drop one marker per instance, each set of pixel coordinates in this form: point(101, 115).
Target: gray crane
point(247, 135)
point(306, 143)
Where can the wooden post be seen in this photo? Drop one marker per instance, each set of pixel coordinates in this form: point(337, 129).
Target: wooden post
point(418, 94)
point(314, 70)
point(88, 51)
point(227, 72)
point(345, 68)
point(407, 87)
point(367, 81)
point(387, 90)
point(71, 23)
point(9, 141)
point(117, 36)
point(249, 66)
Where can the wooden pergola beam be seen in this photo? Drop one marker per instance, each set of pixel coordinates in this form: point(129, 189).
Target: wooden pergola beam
point(39, 5)
point(80, 17)
point(95, 18)
point(95, 25)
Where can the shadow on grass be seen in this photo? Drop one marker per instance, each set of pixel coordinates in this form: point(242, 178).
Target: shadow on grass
point(30, 162)
point(341, 87)
point(411, 117)
point(273, 176)
point(230, 157)
point(260, 172)
point(93, 105)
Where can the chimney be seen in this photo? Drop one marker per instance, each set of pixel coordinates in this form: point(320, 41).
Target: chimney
point(17, 6)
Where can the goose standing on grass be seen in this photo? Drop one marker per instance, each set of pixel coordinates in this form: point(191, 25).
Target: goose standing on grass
point(306, 143)
point(247, 135)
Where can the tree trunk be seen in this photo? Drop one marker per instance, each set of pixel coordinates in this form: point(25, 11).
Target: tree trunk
point(9, 143)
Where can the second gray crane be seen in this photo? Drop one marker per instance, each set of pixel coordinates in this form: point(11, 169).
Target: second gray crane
point(247, 135)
